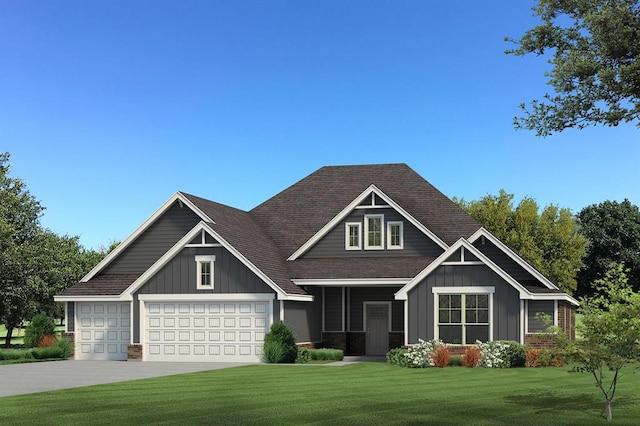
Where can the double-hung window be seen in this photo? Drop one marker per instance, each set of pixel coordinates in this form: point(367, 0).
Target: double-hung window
point(395, 239)
point(463, 317)
point(204, 272)
point(352, 236)
point(373, 231)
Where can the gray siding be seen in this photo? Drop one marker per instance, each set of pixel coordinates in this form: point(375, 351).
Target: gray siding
point(506, 301)
point(71, 316)
point(415, 242)
point(359, 295)
point(229, 275)
point(154, 242)
point(333, 309)
point(503, 261)
point(534, 307)
point(304, 317)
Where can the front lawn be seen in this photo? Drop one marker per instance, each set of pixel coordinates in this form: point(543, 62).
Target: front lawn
point(366, 393)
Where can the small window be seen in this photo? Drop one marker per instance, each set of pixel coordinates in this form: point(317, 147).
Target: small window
point(395, 239)
point(204, 272)
point(538, 313)
point(373, 230)
point(352, 236)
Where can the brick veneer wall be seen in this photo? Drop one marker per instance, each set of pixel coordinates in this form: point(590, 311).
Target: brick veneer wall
point(70, 336)
point(354, 343)
point(567, 319)
point(134, 352)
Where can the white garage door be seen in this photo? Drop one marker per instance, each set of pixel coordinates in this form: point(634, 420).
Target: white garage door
point(102, 331)
point(228, 331)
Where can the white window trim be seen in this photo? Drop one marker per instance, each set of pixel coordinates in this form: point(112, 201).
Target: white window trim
point(347, 227)
point(461, 290)
point(366, 232)
point(200, 259)
point(389, 241)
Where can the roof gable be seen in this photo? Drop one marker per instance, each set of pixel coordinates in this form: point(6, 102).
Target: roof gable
point(302, 211)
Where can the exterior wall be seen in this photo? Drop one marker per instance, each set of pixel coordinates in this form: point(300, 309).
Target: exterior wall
point(304, 317)
point(503, 261)
point(506, 301)
point(333, 309)
point(134, 352)
point(415, 242)
point(567, 319)
point(179, 277)
point(155, 241)
point(70, 316)
point(359, 295)
point(354, 343)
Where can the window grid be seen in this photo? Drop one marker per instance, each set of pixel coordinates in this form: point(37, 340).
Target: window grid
point(463, 318)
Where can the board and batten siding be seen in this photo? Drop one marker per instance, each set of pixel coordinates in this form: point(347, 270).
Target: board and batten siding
point(415, 242)
point(503, 261)
point(155, 241)
point(333, 309)
point(303, 317)
point(506, 300)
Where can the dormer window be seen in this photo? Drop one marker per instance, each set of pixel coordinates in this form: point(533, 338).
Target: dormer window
point(352, 236)
point(374, 232)
point(395, 240)
point(204, 273)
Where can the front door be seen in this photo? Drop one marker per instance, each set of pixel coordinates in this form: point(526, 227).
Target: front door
point(377, 329)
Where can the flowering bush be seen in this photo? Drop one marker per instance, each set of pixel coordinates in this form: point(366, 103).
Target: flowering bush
point(492, 354)
point(421, 355)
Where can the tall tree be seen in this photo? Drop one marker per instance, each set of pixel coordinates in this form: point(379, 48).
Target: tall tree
point(19, 224)
point(549, 240)
point(595, 64)
point(613, 231)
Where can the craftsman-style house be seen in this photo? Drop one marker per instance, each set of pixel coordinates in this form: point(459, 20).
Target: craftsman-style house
point(362, 258)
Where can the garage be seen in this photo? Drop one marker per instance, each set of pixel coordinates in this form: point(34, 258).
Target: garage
point(219, 330)
point(102, 330)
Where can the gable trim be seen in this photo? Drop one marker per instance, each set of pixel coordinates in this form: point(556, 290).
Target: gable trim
point(482, 232)
point(171, 253)
point(179, 197)
point(352, 282)
point(372, 189)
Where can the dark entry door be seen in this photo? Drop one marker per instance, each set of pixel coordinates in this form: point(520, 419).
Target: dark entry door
point(377, 329)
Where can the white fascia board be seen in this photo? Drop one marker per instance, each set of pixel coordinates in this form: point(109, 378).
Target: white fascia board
point(178, 196)
point(209, 297)
point(352, 206)
point(403, 293)
point(91, 299)
point(482, 232)
point(553, 296)
point(353, 282)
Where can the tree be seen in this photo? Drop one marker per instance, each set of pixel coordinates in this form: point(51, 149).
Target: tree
point(613, 231)
point(19, 223)
point(610, 332)
point(595, 67)
point(549, 240)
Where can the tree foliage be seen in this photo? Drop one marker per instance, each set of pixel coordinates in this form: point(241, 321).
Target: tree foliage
point(35, 263)
point(610, 332)
point(613, 231)
point(548, 240)
point(595, 64)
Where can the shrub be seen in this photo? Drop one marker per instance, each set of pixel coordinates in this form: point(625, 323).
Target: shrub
point(326, 354)
point(66, 346)
point(303, 355)
point(513, 354)
point(273, 352)
point(552, 357)
point(38, 327)
point(455, 361)
point(9, 354)
point(47, 340)
point(421, 354)
point(283, 334)
point(471, 357)
point(533, 357)
point(441, 356)
point(398, 356)
point(46, 353)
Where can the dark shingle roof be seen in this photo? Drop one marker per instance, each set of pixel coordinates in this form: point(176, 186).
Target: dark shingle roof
point(294, 215)
point(102, 285)
point(244, 234)
point(358, 267)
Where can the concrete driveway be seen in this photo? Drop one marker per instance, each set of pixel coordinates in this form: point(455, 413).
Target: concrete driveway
point(17, 379)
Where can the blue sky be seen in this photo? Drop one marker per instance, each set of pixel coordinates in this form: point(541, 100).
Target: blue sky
point(109, 107)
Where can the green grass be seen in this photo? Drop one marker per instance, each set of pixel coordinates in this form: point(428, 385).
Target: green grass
point(360, 394)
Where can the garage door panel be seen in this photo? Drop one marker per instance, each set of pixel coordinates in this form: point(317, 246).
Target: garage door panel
point(212, 331)
point(102, 331)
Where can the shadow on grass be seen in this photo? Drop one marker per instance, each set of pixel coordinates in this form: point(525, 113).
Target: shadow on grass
point(591, 404)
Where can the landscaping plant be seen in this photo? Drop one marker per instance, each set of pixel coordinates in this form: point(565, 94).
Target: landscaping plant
point(471, 357)
point(39, 326)
point(441, 356)
point(283, 335)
